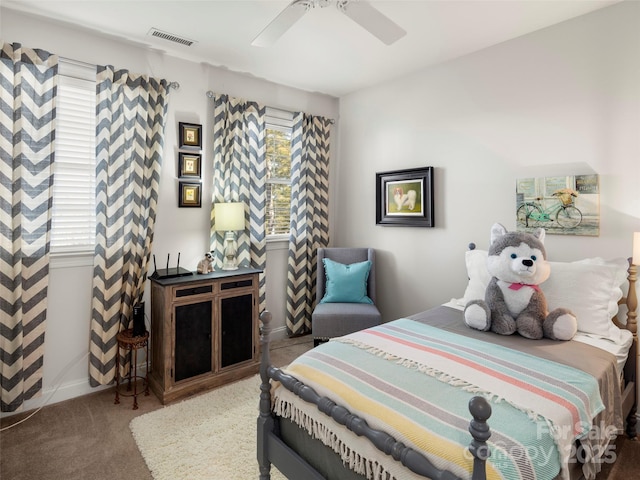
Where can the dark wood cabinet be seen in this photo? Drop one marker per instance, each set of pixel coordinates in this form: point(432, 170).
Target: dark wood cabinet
point(204, 331)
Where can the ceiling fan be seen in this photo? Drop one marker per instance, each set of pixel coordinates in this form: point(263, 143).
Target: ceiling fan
point(361, 12)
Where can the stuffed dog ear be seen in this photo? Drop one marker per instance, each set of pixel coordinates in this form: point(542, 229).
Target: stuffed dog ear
point(539, 233)
point(497, 231)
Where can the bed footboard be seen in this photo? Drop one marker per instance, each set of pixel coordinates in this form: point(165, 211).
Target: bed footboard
point(272, 450)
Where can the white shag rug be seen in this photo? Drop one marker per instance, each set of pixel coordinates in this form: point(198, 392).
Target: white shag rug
point(211, 436)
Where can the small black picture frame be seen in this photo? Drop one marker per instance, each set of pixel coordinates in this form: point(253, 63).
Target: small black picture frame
point(190, 135)
point(189, 195)
point(405, 197)
point(189, 164)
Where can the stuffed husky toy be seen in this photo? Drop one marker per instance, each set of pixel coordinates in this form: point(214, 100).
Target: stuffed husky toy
point(513, 300)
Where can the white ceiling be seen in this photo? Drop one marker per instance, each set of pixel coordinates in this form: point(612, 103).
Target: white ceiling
point(325, 51)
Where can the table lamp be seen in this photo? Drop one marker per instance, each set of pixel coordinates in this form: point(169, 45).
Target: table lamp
point(229, 217)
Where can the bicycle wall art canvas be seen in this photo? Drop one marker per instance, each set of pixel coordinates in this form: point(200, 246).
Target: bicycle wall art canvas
point(405, 197)
point(561, 205)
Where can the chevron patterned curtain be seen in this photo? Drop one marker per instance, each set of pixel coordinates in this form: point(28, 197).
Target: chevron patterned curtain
point(28, 80)
point(239, 172)
point(131, 112)
point(310, 141)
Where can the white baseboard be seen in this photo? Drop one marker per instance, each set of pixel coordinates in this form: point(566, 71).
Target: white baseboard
point(65, 391)
point(278, 333)
point(58, 394)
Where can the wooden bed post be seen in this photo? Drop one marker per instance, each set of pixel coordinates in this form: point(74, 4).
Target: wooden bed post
point(634, 351)
point(479, 430)
point(265, 419)
point(632, 300)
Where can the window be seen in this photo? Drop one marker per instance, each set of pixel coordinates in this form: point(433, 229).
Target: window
point(74, 199)
point(279, 125)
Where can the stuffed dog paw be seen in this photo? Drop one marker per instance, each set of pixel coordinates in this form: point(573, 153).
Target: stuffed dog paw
point(513, 300)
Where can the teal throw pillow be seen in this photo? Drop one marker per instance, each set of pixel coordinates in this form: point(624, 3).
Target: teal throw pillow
point(346, 283)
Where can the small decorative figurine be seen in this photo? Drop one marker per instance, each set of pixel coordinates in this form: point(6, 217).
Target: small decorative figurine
point(206, 264)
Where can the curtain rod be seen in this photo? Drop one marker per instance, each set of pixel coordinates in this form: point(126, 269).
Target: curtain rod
point(210, 94)
point(174, 85)
point(77, 62)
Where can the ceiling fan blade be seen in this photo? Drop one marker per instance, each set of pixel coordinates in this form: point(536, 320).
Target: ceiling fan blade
point(372, 20)
point(283, 22)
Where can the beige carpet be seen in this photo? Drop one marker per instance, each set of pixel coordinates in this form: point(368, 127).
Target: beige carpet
point(209, 436)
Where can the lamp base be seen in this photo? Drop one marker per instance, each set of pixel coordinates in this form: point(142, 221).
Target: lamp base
point(230, 249)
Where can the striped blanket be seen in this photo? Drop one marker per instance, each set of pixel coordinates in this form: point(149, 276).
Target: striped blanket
point(415, 381)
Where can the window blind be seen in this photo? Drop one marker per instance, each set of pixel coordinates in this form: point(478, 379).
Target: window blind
point(279, 125)
point(73, 212)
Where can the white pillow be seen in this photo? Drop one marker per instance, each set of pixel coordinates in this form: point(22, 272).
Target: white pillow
point(478, 274)
point(590, 288)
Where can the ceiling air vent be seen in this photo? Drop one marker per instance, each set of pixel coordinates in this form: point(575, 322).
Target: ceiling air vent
point(154, 32)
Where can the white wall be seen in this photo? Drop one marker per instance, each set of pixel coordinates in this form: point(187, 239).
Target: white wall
point(561, 101)
point(565, 100)
point(183, 230)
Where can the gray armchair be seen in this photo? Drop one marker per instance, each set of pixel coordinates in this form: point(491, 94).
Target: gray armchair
point(336, 319)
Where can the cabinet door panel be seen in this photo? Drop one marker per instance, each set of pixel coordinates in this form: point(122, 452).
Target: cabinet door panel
point(236, 324)
point(193, 340)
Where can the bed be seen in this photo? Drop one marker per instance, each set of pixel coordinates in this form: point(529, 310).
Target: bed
point(419, 397)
